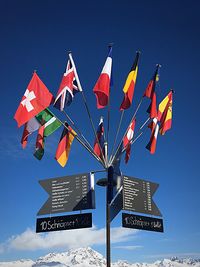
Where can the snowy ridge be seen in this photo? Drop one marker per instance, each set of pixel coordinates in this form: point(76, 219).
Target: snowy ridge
point(87, 257)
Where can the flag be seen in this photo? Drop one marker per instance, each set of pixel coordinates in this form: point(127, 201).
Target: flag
point(102, 86)
point(31, 126)
point(50, 122)
point(64, 146)
point(39, 148)
point(151, 93)
point(129, 85)
point(151, 146)
point(165, 113)
point(68, 88)
point(99, 140)
point(127, 139)
point(36, 98)
point(152, 84)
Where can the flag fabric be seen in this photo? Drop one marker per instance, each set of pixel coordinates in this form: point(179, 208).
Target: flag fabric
point(151, 93)
point(152, 84)
point(64, 146)
point(99, 140)
point(165, 113)
point(68, 88)
point(152, 109)
point(36, 98)
point(129, 85)
point(31, 126)
point(39, 148)
point(102, 86)
point(50, 122)
point(151, 146)
point(127, 139)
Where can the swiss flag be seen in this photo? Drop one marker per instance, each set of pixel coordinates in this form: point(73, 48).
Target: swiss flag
point(128, 138)
point(36, 98)
point(129, 134)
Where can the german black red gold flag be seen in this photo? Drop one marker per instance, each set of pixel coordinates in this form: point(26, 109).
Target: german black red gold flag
point(64, 146)
point(129, 85)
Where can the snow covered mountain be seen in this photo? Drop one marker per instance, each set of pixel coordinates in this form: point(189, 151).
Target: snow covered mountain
point(87, 257)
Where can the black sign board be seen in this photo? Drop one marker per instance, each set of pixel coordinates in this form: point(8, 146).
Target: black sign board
point(68, 222)
point(137, 196)
point(142, 222)
point(116, 204)
point(68, 193)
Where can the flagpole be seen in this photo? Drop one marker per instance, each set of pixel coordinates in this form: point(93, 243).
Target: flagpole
point(85, 103)
point(108, 200)
point(77, 129)
point(80, 141)
point(133, 140)
point(116, 136)
point(134, 115)
point(119, 126)
point(109, 183)
point(107, 134)
point(108, 110)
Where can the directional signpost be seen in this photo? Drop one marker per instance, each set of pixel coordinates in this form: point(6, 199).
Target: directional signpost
point(142, 222)
point(76, 192)
point(116, 204)
point(68, 193)
point(68, 222)
point(137, 196)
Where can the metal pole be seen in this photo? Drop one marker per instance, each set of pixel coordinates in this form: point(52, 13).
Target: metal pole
point(108, 200)
point(134, 115)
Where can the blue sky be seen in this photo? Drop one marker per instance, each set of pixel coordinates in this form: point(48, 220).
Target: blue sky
point(37, 35)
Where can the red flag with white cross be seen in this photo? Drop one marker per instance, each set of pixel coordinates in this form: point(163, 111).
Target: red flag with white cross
point(36, 98)
point(128, 138)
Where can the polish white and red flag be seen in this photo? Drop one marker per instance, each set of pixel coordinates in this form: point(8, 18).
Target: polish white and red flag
point(35, 99)
point(128, 138)
point(102, 86)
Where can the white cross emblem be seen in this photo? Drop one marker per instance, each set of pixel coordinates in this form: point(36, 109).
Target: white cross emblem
point(130, 133)
point(27, 101)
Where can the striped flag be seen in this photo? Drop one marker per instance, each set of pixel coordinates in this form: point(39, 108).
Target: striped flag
point(165, 113)
point(64, 146)
point(50, 122)
point(102, 86)
point(68, 88)
point(127, 139)
point(151, 146)
point(130, 84)
point(99, 140)
point(151, 93)
point(31, 126)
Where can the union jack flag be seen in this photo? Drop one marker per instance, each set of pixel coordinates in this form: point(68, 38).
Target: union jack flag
point(68, 88)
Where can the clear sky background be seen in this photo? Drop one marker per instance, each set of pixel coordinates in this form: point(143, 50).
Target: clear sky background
point(37, 35)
